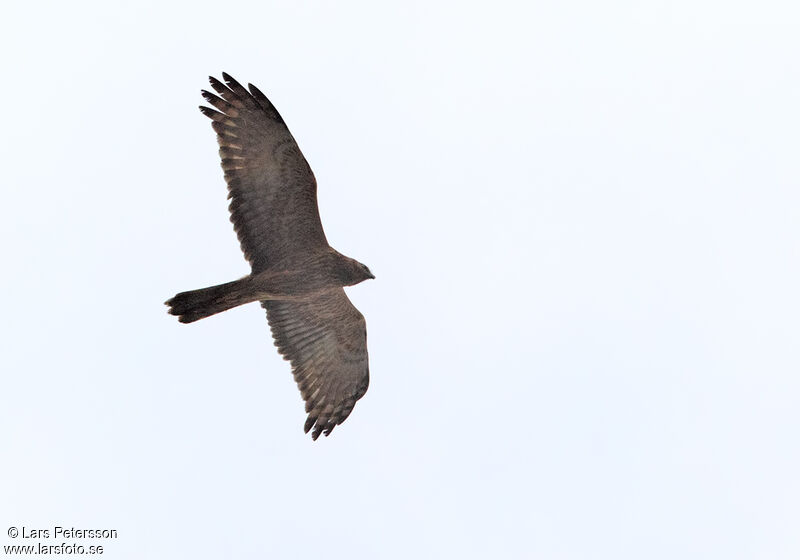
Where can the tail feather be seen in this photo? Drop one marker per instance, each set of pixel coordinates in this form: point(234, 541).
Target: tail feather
point(198, 304)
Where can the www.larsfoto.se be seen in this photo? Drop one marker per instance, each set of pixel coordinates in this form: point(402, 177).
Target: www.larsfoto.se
point(63, 548)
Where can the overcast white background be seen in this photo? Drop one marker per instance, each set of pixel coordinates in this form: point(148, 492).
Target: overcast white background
point(584, 222)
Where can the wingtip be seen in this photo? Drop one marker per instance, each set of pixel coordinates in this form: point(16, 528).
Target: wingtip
point(210, 113)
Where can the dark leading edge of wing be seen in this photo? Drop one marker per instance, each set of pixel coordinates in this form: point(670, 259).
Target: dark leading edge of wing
point(271, 186)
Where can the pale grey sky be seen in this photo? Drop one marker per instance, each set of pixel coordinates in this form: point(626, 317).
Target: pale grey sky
point(584, 222)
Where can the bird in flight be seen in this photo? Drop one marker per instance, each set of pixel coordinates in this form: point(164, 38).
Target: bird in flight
point(298, 278)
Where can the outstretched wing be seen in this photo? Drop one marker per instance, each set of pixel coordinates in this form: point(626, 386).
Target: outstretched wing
point(271, 186)
point(325, 339)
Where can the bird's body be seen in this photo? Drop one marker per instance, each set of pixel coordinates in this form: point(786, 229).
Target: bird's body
point(309, 275)
point(295, 274)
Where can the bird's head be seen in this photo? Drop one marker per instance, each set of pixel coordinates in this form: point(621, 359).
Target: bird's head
point(357, 272)
point(364, 272)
